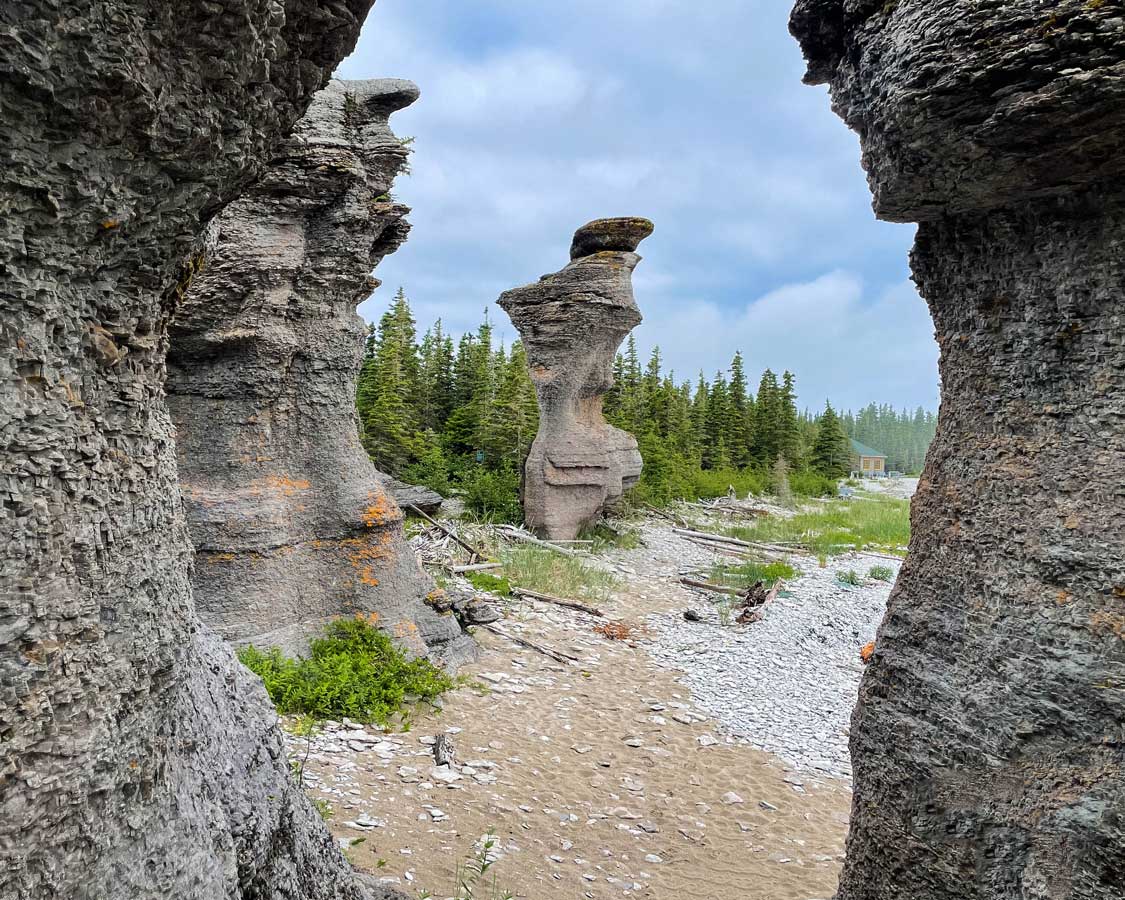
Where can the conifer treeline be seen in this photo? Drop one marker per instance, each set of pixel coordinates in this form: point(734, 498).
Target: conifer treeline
point(464, 415)
point(903, 436)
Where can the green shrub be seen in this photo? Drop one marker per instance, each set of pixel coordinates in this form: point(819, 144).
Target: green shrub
point(482, 581)
point(493, 495)
point(354, 670)
point(881, 573)
point(851, 577)
point(812, 484)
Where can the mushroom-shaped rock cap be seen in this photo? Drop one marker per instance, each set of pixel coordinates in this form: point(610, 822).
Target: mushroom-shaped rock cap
point(625, 233)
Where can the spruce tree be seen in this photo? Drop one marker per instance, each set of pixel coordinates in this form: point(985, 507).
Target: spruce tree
point(831, 452)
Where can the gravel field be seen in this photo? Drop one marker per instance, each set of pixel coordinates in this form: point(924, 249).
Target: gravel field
point(788, 683)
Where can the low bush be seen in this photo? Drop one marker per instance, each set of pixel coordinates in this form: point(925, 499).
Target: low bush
point(354, 670)
point(812, 484)
point(493, 495)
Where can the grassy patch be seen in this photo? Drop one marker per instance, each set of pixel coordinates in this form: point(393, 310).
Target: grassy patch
point(482, 581)
point(354, 670)
point(851, 577)
point(749, 573)
point(857, 524)
point(606, 538)
point(881, 573)
point(552, 573)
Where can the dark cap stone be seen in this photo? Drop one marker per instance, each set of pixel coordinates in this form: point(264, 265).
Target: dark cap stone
point(625, 233)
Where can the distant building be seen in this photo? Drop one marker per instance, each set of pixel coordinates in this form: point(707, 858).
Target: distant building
point(868, 462)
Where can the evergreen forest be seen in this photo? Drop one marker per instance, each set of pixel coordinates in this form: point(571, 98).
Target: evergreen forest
point(460, 416)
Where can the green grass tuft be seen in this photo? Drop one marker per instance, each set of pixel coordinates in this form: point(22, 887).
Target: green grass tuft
point(354, 670)
point(748, 573)
point(851, 577)
point(552, 573)
point(881, 573)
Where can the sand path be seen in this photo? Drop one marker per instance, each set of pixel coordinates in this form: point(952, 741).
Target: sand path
point(600, 779)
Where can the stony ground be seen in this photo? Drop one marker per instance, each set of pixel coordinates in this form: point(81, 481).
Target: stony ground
point(693, 759)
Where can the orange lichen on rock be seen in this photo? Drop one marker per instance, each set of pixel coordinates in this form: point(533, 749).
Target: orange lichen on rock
point(287, 486)
point(867, 651)
point(380, 511)
point(363, 552)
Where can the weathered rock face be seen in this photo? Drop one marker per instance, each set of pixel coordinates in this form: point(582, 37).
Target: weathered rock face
point(290, 521)
point(988, 743)
point(572, 323)
point(139, 759)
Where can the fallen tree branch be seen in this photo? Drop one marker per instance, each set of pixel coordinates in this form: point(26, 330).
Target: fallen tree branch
point(479, 567)
point(558, 601)
point(720, 548)
point(674, 519)
point(714, 588)
point(556, 655)
point(473, 550)
point(753, 614)
point(528, 539)
point(714, 538)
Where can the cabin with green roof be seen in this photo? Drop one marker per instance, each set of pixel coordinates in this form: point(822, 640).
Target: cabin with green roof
point(868, 462)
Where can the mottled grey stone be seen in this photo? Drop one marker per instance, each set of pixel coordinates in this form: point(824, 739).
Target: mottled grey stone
point(290, 521)
point(139, 759)
point(989, 740)
point(572, 323)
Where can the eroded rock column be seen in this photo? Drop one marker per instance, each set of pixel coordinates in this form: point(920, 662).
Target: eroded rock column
point(290, 522)
point(139, 759)
point(572, 323)
point(989, 740)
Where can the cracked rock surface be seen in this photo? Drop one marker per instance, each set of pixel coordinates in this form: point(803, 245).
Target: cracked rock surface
point(139, 759)
point(291, 522)
point(987, 744)
point(572, 323)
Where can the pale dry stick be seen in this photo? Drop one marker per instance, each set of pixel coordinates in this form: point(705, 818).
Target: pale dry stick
point(528, 539)
point(714, 588)
point(479, 567)
point(557, 601)
point(709, 536)
point(556, 655)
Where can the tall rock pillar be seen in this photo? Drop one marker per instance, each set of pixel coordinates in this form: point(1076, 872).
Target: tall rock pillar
point(572, 323)
point(290, 523)
point(989, 740)
point(138, 759)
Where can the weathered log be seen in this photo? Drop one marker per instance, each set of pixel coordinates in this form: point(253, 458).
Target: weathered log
point(714, 538)
point(714, 588)
point(518, 535)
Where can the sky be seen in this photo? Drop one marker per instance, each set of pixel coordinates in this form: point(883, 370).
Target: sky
point(538, 117)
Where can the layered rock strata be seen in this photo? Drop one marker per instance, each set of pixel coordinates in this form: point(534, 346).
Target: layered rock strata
point(572, 323)
point(988, 743)
point(291, 524)
point(139, 759)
